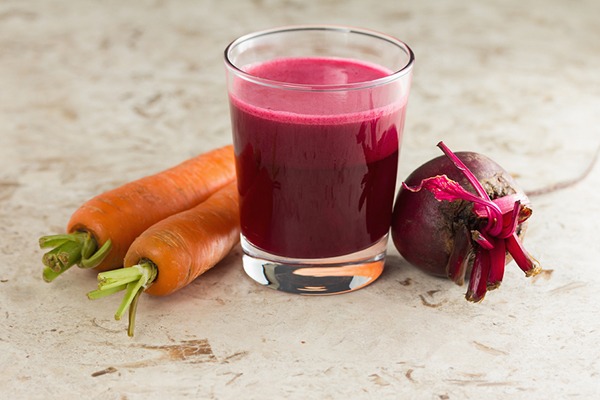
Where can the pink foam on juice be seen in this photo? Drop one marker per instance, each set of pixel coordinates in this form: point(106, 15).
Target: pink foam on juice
point(316, 170)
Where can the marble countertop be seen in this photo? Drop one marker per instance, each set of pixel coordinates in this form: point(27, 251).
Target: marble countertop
point(93, 94)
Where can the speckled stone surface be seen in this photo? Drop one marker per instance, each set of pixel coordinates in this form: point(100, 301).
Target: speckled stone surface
point(93, 94)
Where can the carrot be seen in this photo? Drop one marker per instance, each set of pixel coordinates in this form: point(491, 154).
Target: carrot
point(172, 253)
point(103, 228)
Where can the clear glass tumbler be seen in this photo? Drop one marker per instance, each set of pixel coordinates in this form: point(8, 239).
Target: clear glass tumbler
point(317, 115)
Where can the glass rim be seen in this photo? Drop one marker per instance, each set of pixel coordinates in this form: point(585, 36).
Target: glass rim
point(406, 68)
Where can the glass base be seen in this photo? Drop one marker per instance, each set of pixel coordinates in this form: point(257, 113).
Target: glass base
point(315, 276)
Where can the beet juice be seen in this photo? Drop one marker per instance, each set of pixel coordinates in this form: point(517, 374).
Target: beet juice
point(316, 172)
point(317, 114)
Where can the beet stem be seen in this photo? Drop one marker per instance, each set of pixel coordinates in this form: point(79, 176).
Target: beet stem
point(444, 188)
point(481, 239)
point(479, 274)
point(497, 264)
point(524, 260)
point(524, 213)
point(458, 261)
point(494, 214)
point(509, 228)
point(466, 171)
point(506, 203)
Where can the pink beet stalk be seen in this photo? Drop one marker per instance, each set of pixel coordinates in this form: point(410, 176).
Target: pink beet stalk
point(497, 262)
point(466, 171)
point(526, 262)
point(478, 280)
point(459, 257)
point(510, 221)
point(494, 213)
point(482, 240)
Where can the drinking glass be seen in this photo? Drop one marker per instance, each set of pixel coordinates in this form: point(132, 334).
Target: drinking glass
point(317, 114)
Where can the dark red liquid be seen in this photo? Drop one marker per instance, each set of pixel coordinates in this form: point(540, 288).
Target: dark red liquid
point(318, 178)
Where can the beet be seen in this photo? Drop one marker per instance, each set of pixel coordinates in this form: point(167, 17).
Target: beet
point(463, 214)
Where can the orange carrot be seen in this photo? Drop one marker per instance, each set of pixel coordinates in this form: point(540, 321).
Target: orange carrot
point(103, 228)
point(172, 253)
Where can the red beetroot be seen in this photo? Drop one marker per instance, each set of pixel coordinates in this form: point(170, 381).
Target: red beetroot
point(469, 219)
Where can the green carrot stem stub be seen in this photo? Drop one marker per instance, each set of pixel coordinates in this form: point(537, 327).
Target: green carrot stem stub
point(77, 248)
point(69, 253)
point(100, 293)
point(97, 256)
point(49, 274)
point(50, 260)
point(54, 240)
point(132, 313)
point(134, 280)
